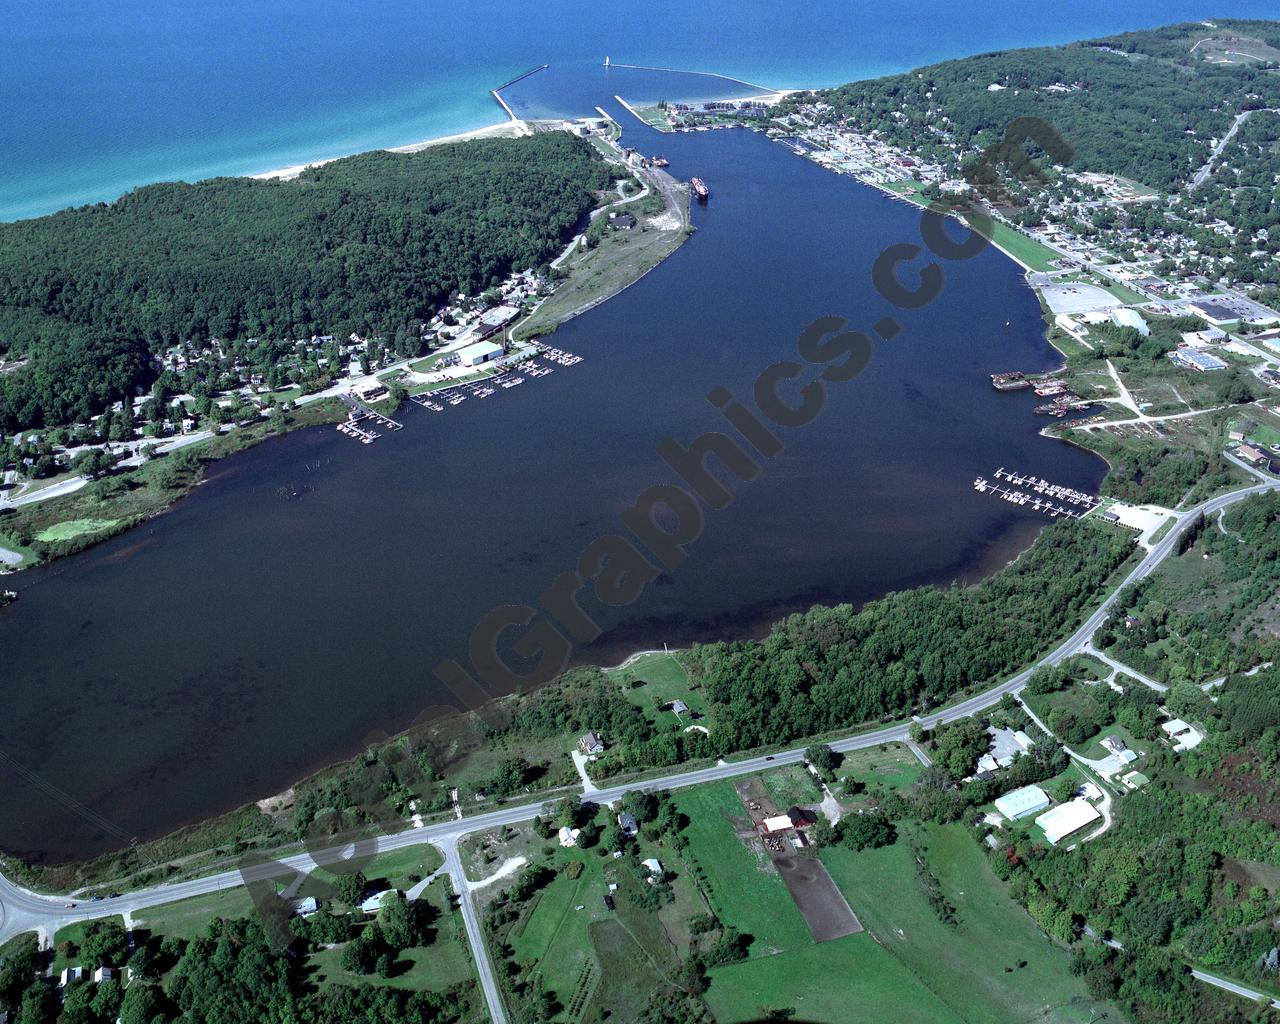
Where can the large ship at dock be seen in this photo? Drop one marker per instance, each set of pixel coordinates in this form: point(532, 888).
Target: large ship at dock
point(699, 188)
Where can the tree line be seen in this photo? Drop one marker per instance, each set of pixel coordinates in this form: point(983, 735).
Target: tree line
point(365, 244)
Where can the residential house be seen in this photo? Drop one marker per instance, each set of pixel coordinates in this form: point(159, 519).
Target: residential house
point(627, 824)
point(591, 744)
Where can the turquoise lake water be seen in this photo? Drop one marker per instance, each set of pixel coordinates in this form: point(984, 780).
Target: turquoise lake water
point(98, 98)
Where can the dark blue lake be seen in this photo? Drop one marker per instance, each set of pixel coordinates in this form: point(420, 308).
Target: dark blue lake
point(295, 604)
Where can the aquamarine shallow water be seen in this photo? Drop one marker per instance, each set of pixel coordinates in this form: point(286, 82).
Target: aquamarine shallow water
point(98, 98)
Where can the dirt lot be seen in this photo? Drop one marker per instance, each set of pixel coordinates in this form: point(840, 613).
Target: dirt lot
point(825, 910)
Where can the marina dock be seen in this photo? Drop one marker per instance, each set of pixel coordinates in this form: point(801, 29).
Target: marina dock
point(1038, 494)
point(543, 362)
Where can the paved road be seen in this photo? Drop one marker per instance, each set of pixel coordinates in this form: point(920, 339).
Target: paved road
point(1202, 175)
point(22, 910)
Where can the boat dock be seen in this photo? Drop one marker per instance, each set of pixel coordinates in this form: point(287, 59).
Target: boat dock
point(1039, 495)
point(359, 420)
point(542, 363)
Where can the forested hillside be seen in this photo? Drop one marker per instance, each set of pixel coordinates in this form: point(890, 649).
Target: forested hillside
point(1144, 105)
point(364, 243)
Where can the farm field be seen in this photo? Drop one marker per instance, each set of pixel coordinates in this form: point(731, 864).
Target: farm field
point(851, 979)
point(993, 964)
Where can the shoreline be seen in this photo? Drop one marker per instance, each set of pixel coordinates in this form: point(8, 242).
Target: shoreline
point(509, 129)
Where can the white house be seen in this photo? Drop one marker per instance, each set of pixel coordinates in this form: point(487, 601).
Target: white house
point(70, 974)
point(652, 864)
point(569, 836)
point(103, 974)
point(1181, 735)
point(374, 903)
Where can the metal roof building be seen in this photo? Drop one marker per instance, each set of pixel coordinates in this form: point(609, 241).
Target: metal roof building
point(480, 352)
point(1066, 819)
point(1022, 802)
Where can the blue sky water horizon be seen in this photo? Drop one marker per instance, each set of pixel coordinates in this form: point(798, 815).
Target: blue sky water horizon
point(97, 99)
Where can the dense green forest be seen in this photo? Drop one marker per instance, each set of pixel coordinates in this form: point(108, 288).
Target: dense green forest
point(831, 668)
point(1141, 104)
point(368, 244)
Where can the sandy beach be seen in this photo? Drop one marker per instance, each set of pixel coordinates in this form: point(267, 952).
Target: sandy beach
point(501, 130)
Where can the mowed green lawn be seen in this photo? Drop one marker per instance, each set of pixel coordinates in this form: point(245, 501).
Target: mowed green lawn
point(995, 965)
point(1023, 248)
point(189, 919)
point(445, 961)
point(891, 765)
point(849, 981)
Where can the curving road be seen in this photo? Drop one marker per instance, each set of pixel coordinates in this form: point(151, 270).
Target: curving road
point(22, 910)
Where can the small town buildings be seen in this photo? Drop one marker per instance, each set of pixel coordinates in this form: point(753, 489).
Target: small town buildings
point(103, 974)
point(1022, 803)
point(1067, 819)
point(1199, 339)
point(1135, 780)
point(70, 974)
point(569, 836)
point(796, 817)
point(479, 353)
point(1194, 359)
point(370, 391)
point(1114, 744)
point(1216, 313)
point(591, 744)
point(627, 824)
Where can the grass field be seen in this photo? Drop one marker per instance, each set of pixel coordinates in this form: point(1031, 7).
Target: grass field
point(74, 528)
point(602, 964)
point(994, 965)
point(621, 259)
point(851, 979)
point(891, 765)
point(655, 680)
point(446, 961)
point(189, 919)
point(792, 784)
point(1022, 248)
point(555, 935)
point(399, 866)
